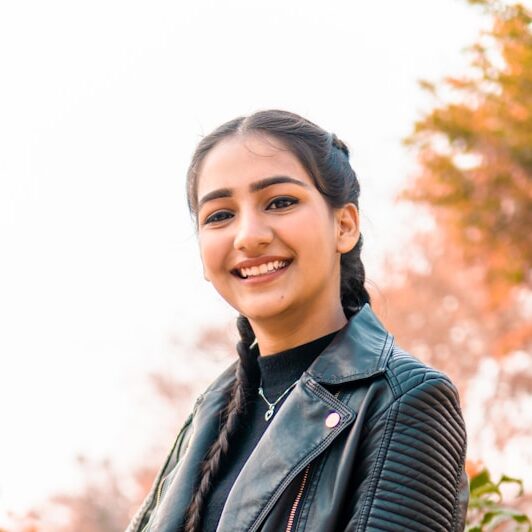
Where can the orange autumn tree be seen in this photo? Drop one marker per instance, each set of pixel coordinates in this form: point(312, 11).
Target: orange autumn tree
point(474, 154)
point(474, 150)
point(474, 174)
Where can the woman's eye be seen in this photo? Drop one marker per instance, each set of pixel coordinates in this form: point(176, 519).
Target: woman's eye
point(282, 203)
point(219, 216)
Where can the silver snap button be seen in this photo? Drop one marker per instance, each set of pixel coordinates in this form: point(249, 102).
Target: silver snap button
point(332, 420)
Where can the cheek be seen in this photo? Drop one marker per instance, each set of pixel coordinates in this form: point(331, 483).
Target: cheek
point(212, 252)
point(207, 252)
point(314, 233)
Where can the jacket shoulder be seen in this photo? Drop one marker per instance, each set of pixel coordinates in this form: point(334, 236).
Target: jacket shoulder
point(404, 372)
point(417, 478)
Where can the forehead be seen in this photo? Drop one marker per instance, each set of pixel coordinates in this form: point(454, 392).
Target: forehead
point(237, 161)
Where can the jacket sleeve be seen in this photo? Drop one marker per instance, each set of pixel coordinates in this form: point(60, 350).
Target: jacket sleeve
point(411, 466)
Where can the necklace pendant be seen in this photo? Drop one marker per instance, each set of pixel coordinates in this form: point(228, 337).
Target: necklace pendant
point(269, 413)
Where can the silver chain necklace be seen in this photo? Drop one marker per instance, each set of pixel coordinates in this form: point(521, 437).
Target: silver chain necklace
point(271, 406)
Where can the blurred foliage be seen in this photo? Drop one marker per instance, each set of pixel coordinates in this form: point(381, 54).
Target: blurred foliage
point(436, 306)
point(474, 150)
point(105, 503)
point(102, 505)
point(486, 509)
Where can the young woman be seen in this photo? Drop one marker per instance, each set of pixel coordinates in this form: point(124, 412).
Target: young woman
point(323, 423)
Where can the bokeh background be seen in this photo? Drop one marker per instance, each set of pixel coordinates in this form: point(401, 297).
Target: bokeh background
point(108, 330)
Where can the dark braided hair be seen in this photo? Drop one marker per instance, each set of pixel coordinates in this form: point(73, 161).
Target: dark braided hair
point(326, 159)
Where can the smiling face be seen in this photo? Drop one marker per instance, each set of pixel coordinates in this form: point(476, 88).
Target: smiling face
point(270, 243)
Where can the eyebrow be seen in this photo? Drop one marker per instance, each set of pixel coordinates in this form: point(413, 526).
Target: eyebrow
point(253, 187)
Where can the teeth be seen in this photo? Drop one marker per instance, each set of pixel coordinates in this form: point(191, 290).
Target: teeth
point(267, 267)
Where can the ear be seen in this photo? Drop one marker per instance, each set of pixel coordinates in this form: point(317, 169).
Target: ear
point(348, 227)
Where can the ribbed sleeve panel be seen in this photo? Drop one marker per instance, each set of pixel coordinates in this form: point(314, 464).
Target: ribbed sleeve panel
point(418, 466)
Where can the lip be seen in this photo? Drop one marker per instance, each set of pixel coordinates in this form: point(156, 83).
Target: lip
point(258, 261)
point(265, 277)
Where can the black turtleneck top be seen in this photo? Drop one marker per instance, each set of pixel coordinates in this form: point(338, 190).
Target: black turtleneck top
point(278, 372)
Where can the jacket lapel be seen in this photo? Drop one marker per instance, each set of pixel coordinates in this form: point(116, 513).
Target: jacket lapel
point(296, 435)
point(360, 350)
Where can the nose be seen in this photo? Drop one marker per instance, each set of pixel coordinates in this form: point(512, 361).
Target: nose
point(253, 233)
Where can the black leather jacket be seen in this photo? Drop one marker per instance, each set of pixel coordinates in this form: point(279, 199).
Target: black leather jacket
point(393, 461)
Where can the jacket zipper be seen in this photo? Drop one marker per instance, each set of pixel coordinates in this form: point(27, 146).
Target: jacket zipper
point(293, 511)
point(157, 500)
point(297, 500)
point(160, 490)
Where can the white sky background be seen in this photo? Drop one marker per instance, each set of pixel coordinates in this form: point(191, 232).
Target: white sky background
point(101, 105)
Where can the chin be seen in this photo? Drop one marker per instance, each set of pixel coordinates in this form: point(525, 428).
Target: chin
point(262, 313)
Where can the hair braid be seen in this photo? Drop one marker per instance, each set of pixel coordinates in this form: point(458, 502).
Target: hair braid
point(352, 279)
point(244, 329)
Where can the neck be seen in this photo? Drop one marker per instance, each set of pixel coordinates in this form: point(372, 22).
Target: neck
point(281, 334)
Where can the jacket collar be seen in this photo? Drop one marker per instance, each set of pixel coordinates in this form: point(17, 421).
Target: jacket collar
point(360, 350)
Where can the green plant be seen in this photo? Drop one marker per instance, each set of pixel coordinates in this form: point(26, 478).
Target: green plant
point(486, 510)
